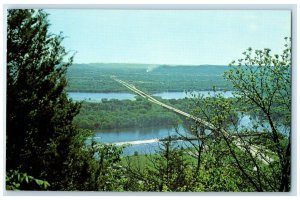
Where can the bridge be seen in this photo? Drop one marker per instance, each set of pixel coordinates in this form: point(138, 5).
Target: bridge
point(254, 150)
point(153, 100)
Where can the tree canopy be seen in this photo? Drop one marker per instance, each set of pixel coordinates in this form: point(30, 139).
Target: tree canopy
point(39, 114)
point(263, 82)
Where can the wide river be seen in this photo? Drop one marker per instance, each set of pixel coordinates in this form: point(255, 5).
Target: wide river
point(145, 140)
point(94, 97)
point(140, 140)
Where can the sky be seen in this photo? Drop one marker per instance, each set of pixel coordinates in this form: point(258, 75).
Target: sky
point(194, 37)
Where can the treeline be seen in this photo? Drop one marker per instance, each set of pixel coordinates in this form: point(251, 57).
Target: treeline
point(110, 114)
point(152, 78)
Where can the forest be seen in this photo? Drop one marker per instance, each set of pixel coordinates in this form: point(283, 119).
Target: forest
point(111, 114)
point(152, 78)
point(46, 132)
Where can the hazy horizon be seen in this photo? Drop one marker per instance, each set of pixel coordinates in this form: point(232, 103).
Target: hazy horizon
point(175, 37)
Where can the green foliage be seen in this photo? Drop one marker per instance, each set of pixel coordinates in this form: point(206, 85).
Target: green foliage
point(110, 176)
point(237, 158)
point(22, 181)
point(39, 114)
point(169, 170)
point(126, 114)
point(256, 160)
point(41, 138)
point(214, 176)
point(95, 166)
point(152, 78)
point(263, 82)
point(174, 170)
point(218, 110)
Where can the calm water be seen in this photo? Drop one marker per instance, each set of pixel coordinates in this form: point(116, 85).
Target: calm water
point(145, 140)
point(182, 95)
point(141, 140)
point(94, 97)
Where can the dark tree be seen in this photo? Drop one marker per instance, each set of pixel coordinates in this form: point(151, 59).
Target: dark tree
point(39, 114)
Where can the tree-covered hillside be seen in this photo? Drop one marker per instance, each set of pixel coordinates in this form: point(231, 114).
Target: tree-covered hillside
point(152, 78)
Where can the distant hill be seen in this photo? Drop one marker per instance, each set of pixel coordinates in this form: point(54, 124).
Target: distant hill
point(95, 77)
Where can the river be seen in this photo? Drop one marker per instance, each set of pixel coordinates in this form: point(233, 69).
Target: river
point(140, 140)
point(146, 140)
point(95, 97)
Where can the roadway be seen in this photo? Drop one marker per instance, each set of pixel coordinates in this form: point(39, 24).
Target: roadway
point(237, 141)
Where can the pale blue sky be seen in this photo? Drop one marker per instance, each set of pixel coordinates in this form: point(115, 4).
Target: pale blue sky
point(168, 37)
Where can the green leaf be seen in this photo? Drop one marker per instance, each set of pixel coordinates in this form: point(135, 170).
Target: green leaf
point(39, 182)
